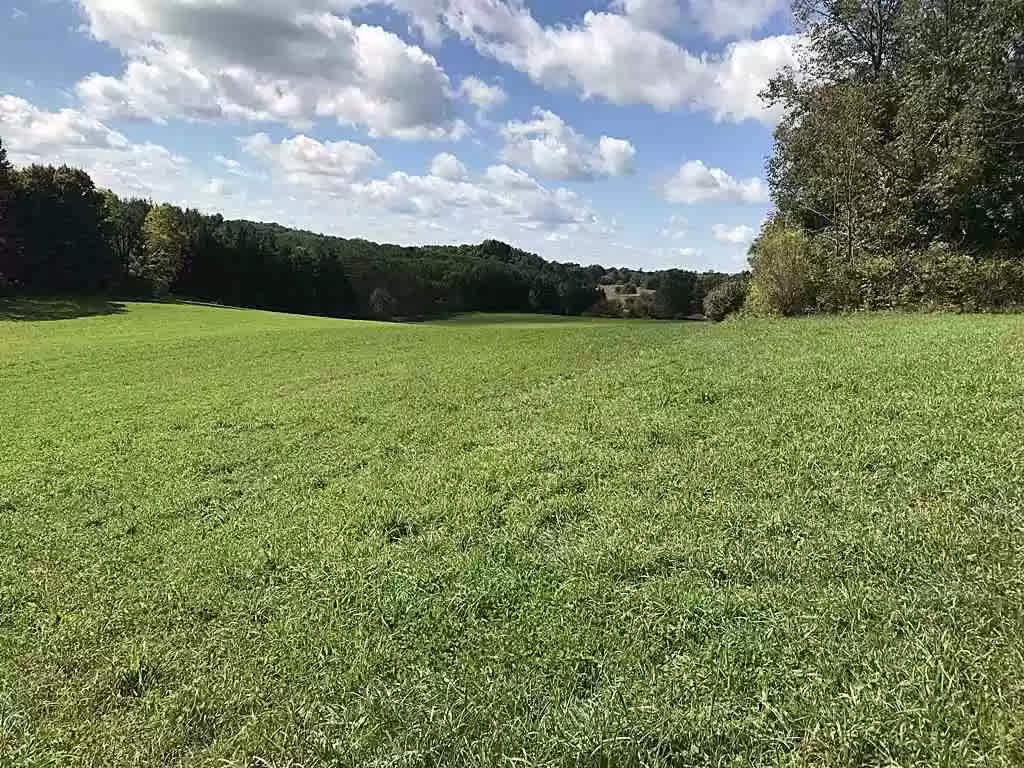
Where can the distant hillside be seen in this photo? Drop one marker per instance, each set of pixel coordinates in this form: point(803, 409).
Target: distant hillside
point(70, 238)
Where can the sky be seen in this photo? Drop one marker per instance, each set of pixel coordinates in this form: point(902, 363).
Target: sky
point(618, 132)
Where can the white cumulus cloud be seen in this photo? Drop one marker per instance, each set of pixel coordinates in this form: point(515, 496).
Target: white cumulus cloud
point(717, 19)
point(501, 197)
point(306, 161)
point(737, 235)
point(448, 166)
point(675, 229)
point(695, 182)
point(652, 14)
point(30, 131)
point(266, 61)
point(483, 96)
point(720, 19)
point(67, 136)
point(548, 146)
point(615, 57)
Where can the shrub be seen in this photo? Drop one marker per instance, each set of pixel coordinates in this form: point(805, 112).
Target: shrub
point(725, 299)
point(783, 274)
point(940, 277)
point(604, 308)
point(642, 305)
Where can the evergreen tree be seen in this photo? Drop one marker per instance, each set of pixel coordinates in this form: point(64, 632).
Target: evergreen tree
point(11, 250)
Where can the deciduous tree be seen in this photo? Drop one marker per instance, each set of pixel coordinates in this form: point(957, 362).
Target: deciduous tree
point(162, 250)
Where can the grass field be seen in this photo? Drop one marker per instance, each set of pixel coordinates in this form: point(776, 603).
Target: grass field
point(233, 538)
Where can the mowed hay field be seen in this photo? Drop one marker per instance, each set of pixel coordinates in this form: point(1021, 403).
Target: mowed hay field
point(234, 538)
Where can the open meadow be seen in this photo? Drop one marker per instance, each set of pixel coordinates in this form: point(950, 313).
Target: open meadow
point(237, 538)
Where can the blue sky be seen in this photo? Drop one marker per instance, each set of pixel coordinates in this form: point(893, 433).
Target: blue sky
point(621, 132)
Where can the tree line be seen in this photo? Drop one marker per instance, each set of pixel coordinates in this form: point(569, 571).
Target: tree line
point(59, 234)
point(897, 171)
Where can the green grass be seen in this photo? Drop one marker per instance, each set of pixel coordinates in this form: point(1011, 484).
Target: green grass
point(235, 538)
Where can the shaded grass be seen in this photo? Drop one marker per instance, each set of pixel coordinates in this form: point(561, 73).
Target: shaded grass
point(248, 539)
point(36, 309)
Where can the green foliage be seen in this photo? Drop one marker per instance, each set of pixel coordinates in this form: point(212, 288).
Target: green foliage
point(937, 277)
point(782, 281)
point(943, 278)
point(904, 129)
point(59, 216)
point(642, 305)
point(11, 249)
point(677, 294)
point(724, 300)
point(573, 542)
point(159, 259)
point(82, 241)
point(123, 227)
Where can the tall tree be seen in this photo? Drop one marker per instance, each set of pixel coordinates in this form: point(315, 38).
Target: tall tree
point(60, 216)
point(124, 220)
point(904, 125)
point(11, 250)
point(163, 248)
point(677, 294)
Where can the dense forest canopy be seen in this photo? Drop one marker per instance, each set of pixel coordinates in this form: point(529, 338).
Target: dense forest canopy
point(59, 234)
point(899, 157)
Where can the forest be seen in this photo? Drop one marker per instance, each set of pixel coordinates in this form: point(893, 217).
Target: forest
point(897, 172)
point(59, 234)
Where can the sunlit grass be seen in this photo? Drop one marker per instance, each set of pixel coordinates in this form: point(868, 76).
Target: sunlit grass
point(241, 538)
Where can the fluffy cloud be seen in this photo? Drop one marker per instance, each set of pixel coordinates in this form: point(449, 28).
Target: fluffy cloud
point(501, 197)
point(718, 19)
point(528, 204)
point(30, 132)
point(616, 155)
point(448, 166)
point(651, 14)
point(34, 135)
point(550, 147)
point(481, 95)
point(294, 62)
point(742, 73)
point(694, 182)
point(611, 55)
point(676, 228)
point(736, 235)
point(268, 61)
point(509, 178)
point(304, 156)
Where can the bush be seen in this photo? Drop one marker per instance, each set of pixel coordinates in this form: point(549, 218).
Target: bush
point(642, 305)
point(936, 278)
point(725, 299)
point(783, 273)
point(604, 308)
